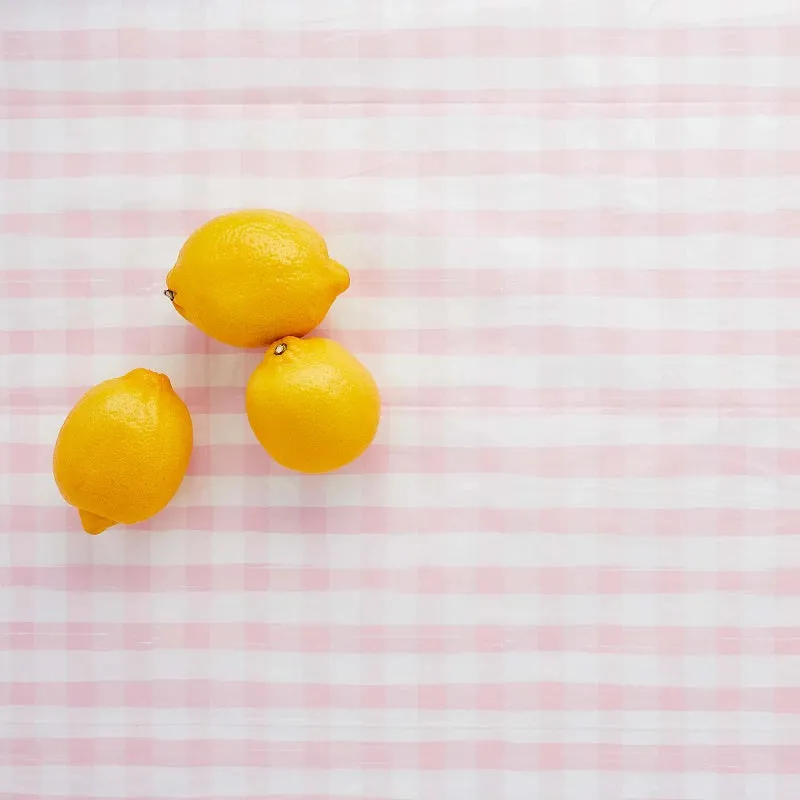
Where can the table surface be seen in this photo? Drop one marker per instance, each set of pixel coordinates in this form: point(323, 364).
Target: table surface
point(569, 567)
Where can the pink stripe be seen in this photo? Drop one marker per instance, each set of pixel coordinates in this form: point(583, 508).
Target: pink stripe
point(579, 461)
point(506, 697)
point(665, 640)
point(423, 580)
point(416, 43)
point(427, 755)
point(599, 222)
point(374, 521)
point(776, 402)
point(564, 96)
point(425, 282)
point(509, 340)
point(400, 164)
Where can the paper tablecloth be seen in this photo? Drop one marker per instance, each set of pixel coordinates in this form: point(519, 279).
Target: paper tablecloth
point(570, 565)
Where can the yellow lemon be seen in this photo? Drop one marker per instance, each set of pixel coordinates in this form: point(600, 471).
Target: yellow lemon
point(122, 452)
point(249, 277)
point(313, 406)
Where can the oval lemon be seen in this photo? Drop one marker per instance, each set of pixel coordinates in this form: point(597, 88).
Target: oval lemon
point(249, 277)
point(123, 450)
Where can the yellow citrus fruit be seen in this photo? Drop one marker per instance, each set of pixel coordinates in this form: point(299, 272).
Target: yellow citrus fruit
point(122, 452)
point(313, 406)
point(249, 277)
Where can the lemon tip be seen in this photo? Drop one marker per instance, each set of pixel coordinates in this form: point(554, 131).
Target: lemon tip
point(94, 523)
point(342, 276)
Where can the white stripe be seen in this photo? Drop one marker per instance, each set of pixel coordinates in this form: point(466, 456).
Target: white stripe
point(698, 609)
point(350, 15)
point(337, 669)
point(413, 195)
point(643, 728)
point(48, 781)
point(363, 75)
point(417, 371)
point(479, 428)
point(641, 549)
point(359, 249)
point(466, 127)
point(416, 315)
point(446, 490)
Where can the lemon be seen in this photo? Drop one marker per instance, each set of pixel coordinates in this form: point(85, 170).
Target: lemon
point(250, 277)
point(313, 406)
point(123, 450)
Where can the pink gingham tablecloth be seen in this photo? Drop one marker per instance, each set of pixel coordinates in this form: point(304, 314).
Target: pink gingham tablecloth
point(570, 565)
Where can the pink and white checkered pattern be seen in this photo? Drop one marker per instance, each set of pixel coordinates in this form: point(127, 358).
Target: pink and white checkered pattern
point(570, 565)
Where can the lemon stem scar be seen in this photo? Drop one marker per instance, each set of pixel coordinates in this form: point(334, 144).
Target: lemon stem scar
point(281, 349)
point(169, 294)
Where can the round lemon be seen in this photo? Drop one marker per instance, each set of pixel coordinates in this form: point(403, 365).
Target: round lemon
point(313, 406)
point(249, 277)
point(122, 452)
